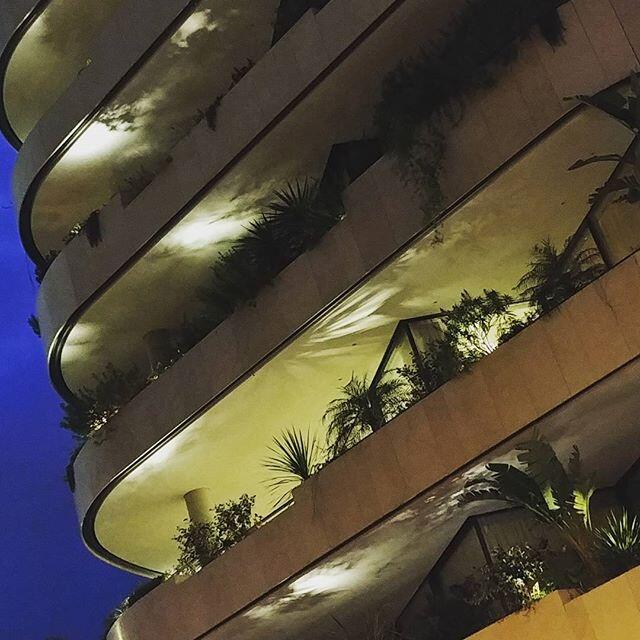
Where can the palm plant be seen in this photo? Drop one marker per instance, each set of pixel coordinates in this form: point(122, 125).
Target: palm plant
point(235, 279)
point(263, 248)
point(294, 458)
point(361, 410)
point(554, 276)
point(557, 497)
point(300, 215)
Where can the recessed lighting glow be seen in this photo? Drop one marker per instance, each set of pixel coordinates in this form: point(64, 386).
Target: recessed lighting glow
point(95, 141)
point(322, 581)
point(205, 232)
point(196, 22)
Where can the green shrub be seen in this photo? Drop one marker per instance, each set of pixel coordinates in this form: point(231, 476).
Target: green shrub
point(93, 408)
point(516, 578)
point(473, 328)
point(361, 410)
point(201, 542)
point(554, 276)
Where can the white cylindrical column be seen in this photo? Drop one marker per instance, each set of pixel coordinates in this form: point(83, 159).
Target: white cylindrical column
point(199, 505)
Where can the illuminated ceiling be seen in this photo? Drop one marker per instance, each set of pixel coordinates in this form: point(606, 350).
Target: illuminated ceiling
point(164, 286)
point(50, 55)
point(485, 244)
point(371, 578)
point(132, 136)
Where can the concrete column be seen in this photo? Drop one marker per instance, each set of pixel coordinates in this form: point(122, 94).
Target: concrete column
point(199, 504)
point(159, 345)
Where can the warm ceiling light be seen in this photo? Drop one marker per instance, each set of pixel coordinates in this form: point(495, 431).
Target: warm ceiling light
point(202, 233)
point(95, 141)
point(323, 580)
point(196, 22)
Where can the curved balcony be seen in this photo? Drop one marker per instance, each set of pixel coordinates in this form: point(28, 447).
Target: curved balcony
point(384, 512)
point(197, 423)
point(203, 201)
point(45, 45)
point(89, 283)
point(115, 129)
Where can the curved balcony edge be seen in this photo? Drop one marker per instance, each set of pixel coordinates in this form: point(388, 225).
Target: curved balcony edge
point(59, 128)
point(16, 20)
point(139, 31)
point(74, 287)
point(546, 367)
point(80, 273)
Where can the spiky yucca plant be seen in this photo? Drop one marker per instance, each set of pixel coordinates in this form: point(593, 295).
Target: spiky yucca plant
point(554, 276)
point(300, 214)
point(361, 410)
point(619, 540)
point(262, 247)
point(295, 220)
point(295, 457)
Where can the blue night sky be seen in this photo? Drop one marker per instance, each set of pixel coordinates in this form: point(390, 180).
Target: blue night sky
point(50, 584)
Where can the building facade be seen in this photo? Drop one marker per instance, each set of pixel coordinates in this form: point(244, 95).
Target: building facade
point(307, 267)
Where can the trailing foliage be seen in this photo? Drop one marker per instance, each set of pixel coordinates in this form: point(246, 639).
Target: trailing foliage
point(419, 94)
point(211, 113)
point(294, 458)
point(93, 408)
point(138, 593)
point(240, 72)
point(201, 542)
point(554, 275)
point(69, 473)
point(361, 410)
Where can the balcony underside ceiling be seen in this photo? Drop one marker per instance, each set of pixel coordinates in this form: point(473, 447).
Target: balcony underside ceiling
point(164, 285)
point(370, 579)
point(484, 244)
point(132, 135)
point(53, 49)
